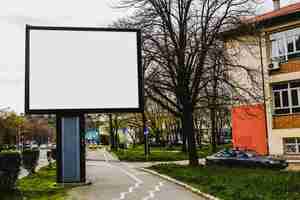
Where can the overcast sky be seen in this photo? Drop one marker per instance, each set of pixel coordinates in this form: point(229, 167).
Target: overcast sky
point(14, 14)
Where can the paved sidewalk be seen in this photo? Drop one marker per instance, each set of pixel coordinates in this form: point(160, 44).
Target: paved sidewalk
point(97, 155)
point(114, 180)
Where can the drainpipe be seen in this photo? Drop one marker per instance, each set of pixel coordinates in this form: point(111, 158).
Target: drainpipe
point(263, 88)
point(276, 4)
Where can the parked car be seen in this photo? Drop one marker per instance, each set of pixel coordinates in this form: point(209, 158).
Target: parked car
point(92, 146)
point(34, 146)
point(51, 146)
point(231, 157)
point(43, 146)
point(27, 146)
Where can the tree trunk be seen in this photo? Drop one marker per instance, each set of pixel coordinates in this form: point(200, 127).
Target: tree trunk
point(157, 134)
point(200, 134)
point(116, 139)
point(213, 129)
point(188, 130)
point(176, 132)
point(199, 139)
point(116, 129)
point(184, 149)
point(112, 138)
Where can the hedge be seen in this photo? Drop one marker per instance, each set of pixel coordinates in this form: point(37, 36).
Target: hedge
point(53, 153)
point(30, 159)
point(7, 147)
point(10, 162)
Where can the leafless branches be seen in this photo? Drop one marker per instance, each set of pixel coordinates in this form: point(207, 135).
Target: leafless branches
point(185, 58)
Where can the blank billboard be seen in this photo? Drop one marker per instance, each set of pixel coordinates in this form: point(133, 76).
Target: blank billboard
point(81, 70)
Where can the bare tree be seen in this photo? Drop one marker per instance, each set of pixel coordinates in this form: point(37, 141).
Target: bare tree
point(177, 38)
point(223, 89)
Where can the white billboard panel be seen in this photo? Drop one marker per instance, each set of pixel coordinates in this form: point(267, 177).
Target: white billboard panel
point(82, 69)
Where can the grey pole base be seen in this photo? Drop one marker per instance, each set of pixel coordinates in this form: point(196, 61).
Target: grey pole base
point(70, 149)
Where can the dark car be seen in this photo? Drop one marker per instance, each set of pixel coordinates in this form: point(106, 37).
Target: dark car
point(231, 157)
point(27, 146)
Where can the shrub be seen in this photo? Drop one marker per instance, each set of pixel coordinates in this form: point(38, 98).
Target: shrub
point(30, 159)
point(10, 162)
point(53, 153)
point(7, 147)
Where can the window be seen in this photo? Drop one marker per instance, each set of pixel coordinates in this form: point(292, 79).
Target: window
point(277, 99)
point(285, 44)
point(295, 100)
point(290, 45)
point(297, 43)
point(286, 98)
point(291, 145)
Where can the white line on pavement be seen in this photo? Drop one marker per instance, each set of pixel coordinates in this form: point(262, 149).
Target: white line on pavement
point(151, 192)
point(104, 154)
point(138, 181)
point(137, 184)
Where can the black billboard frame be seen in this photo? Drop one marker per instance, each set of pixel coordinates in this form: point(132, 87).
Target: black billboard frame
point(79, 111)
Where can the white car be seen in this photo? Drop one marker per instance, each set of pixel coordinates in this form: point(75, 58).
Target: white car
point(43, 146)
point(34, 146)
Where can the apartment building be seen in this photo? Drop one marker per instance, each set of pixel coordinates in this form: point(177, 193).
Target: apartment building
point(279, 52)
point(281, 31)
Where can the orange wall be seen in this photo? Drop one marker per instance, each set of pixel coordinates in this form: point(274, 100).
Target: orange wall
point(249, 128)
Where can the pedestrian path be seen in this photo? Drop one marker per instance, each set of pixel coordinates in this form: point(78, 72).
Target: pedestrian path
point(114, 180)
point(100, 155)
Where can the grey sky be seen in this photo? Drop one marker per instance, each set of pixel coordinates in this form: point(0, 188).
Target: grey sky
point(14, 14)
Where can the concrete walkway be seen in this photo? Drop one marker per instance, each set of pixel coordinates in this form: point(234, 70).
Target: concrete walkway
point(114, 180)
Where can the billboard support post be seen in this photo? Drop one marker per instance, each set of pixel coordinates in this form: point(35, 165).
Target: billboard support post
point(70, 158)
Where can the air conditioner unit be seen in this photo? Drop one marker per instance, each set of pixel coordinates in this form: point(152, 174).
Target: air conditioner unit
point(274, 65)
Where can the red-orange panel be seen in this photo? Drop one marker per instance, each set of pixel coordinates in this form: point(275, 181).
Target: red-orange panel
point(249, 128)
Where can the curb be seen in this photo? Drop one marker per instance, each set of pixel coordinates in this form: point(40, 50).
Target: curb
point(190, 188)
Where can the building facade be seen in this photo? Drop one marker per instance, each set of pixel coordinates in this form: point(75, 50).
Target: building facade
point(281, 32)
point(278, 55)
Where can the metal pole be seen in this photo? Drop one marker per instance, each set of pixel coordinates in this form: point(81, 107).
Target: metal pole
point(146, 145)
point(263, 88)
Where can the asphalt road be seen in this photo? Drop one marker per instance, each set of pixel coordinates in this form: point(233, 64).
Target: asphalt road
point(113, 180)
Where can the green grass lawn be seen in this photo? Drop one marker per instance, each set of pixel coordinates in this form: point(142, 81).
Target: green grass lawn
point(155, 155)
point(40, 186)
point(237, 183)
point(160, 153)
